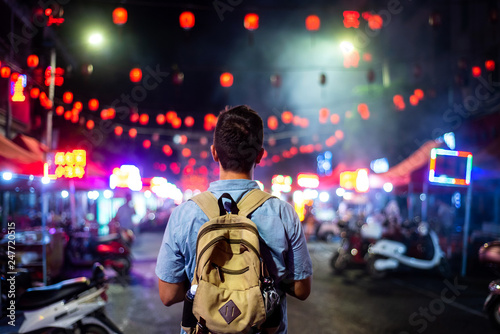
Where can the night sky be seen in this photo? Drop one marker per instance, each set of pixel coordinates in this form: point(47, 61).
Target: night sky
point(409, 51)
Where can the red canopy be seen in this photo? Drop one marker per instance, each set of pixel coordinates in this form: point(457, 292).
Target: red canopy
point(25, 155)
point(407, 170)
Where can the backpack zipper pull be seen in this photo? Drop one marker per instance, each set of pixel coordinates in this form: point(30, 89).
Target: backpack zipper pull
point(219, 272)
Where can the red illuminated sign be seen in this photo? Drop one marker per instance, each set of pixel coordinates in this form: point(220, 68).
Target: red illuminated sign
point(59, 79)
point(351, 19)
point(17, 88)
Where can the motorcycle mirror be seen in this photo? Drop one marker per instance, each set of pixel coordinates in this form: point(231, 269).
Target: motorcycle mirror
point(98, 274)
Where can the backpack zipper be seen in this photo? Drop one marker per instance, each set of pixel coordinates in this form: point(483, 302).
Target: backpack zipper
point(214, 227)
point(222, 270)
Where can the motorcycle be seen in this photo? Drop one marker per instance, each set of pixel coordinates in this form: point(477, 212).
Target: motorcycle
point(353, 248)
point(420, 250)
point(489, 254)
point(83, 249)
point(75, 305)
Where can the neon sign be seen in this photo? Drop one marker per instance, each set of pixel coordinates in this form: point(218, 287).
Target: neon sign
point(127, 176)
point(68, 164)
point(357, 180)
point(308, 180)
point(450, 167)
point(17, 88)
point(281, 183)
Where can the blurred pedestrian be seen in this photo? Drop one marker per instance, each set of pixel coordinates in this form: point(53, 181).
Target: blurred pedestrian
point(125, 213)
point(237, 147)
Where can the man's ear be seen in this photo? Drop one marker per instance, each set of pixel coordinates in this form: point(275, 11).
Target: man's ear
point(214, 153)
point(259, 156)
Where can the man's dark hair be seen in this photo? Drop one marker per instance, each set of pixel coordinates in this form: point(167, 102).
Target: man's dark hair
point(238, 138)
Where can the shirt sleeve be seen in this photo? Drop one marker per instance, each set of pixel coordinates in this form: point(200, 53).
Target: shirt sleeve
point(170, 264)
point(298, 260)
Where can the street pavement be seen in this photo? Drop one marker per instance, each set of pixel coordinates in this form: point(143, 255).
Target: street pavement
point(351, 303)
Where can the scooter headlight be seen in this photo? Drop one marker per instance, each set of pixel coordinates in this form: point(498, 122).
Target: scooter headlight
point(494, 286)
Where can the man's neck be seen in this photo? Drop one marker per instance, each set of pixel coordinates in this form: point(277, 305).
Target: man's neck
point(230, 175)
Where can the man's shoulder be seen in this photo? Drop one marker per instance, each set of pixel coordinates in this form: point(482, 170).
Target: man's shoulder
point(187, 207)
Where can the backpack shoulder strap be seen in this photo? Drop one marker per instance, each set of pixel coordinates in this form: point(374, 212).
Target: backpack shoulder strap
point(252, 200)
point(208, 203)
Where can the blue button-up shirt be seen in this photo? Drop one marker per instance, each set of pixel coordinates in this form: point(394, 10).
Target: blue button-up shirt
point(285, 251)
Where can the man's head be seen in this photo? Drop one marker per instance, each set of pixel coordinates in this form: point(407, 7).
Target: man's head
point(238, 139)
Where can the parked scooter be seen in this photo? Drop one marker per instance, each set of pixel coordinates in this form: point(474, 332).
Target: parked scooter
point(83, 249)
point(353, 248)
point(489, 254)
point(420, 250)
point(75, 305)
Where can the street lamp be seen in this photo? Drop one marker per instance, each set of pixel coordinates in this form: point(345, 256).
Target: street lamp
point(96, 39)
point(346, 47)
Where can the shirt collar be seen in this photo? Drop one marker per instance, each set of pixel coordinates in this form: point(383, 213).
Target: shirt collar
point(238, 184)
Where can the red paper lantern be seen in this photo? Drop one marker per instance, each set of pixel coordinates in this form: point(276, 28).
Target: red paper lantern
point(118, 130)
point(272, 122)
point(287, 117)
point(296, 120)
point(90, 124)
point(304, 123)
point(363, 110)
point(323, 115)
point(5, 72)
point(489, 65)
point(132, 133)
point(135, 75)
point(67, 115)
point(419, 93)
point(160, 119)
point(176, 123)
point(111, 113)
point(35, 92)
point(93, 104)
point(120, 16)
point(476, 71)
point(144, 119)
point(170, 116)
point(375, 22)
point(413, 100)
point(167, 150)
point(189, 121)
point(186, 20)
point(78, 106)
point(226, 79)
point(313, 23)
point(351, 19)
point(251, 21)
point(104, 114)
point(134, 117)
point(33, 61)
point(339, 134)
point(183, 140)
point(335, 119)
point(146, 144)
point(68, 97)
point(59, 110)
point(210, 121)
point(397, 99)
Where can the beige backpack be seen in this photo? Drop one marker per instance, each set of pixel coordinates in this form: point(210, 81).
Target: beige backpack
point(230, 274)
